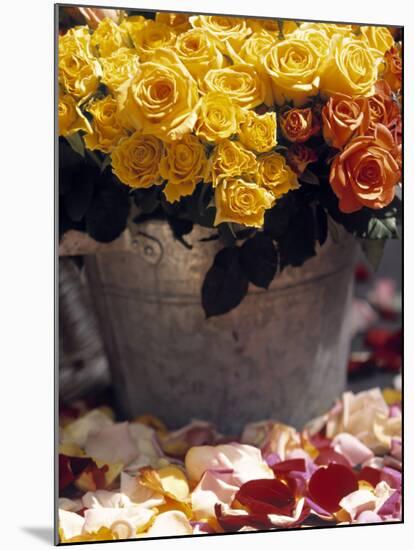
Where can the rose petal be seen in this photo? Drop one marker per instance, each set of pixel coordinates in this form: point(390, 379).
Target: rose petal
point(358, 501)
point(113, 444)
point(368, 516)
point(327, 456)
point(328, 485)
point(130, 519)
point(139, 493)
point(172, 523)
point(214, 487)
point(351, 448)
point(245, 460)
point(79, 430)
point(70, 523)
point(267, 496)
point(105, 499)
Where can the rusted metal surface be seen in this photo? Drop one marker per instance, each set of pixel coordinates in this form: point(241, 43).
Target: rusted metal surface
point(281, 354)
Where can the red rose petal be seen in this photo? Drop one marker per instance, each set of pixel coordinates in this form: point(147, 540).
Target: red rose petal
point(329, 485)
point(329, 456)
point(294, 464)
point(235, 522)
point(372, 475)
point(266, 496)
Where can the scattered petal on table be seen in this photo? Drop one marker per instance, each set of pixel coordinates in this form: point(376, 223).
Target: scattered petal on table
point(112, 444)
point(246, 461)
point(172, 523)
point(70, 524)
point(351, 448)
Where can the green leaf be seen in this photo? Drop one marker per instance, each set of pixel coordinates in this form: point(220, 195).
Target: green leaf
point(78, 198)
point(147, 200)
point(259, 260)
point(298, 242)
point(179, 228)
point(106, 162)
point(373, 250)
point(225, 284)
point(107, 214)
point(321, 224)
point(367, 223)
point(277, 218)
point(382, 228)
point(309, 177)
point(76, 142)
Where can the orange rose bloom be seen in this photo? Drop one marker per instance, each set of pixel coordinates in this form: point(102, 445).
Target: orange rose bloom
point(299, 156)
point(342, 116)
point(365, 172)
point(382, 108)
point(393, 69)
point(298, 125)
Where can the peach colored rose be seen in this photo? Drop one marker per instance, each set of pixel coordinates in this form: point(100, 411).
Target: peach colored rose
point(298, 125)
point(365, 172)
point(342, 116)
point(382, 108)
point(299, 156)
point(393, 69)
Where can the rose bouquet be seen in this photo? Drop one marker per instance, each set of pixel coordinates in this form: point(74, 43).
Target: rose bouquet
point(261, 129)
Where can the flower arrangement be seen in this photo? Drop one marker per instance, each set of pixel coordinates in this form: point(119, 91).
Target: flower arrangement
point(260, 129)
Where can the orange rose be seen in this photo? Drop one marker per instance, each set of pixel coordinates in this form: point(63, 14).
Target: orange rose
point(393, 69)
point(342, 116)
point(382, 108)
point(365, 172)
point(299, 156)
point(298, 125)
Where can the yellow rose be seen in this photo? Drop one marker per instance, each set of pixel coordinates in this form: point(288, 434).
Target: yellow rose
point(240, 82)
point(107, 129)
point(223, 29)
point(78, 71)
point(273, 26)
point(294, 66)
point(136, 160)
point(329, 28)
point(275, 175)
point(255, 47)
point(258, 132)
point(218, 117)
point(177, 21)
point(162, 98)
point(230, 158)
point(108, 37)
point(71, 118)
point(151, 37)
point(198, 52)
point(75, 40)
point(118, 68)
point(351, 68)
point(241, 201)
point(379, 39)
point(318, 37)
point(183, 165)
point(133, 26)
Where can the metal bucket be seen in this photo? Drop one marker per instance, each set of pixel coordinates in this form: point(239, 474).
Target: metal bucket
point(281, 354)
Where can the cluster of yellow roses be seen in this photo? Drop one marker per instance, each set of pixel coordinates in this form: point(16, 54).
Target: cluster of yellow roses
point(192, 99)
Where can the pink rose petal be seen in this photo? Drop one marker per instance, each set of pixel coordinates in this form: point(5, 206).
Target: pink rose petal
point(351, 448)
point(113, 444)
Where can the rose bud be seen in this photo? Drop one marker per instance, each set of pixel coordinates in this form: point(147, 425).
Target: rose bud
point(299, 156)
point(298, 125)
